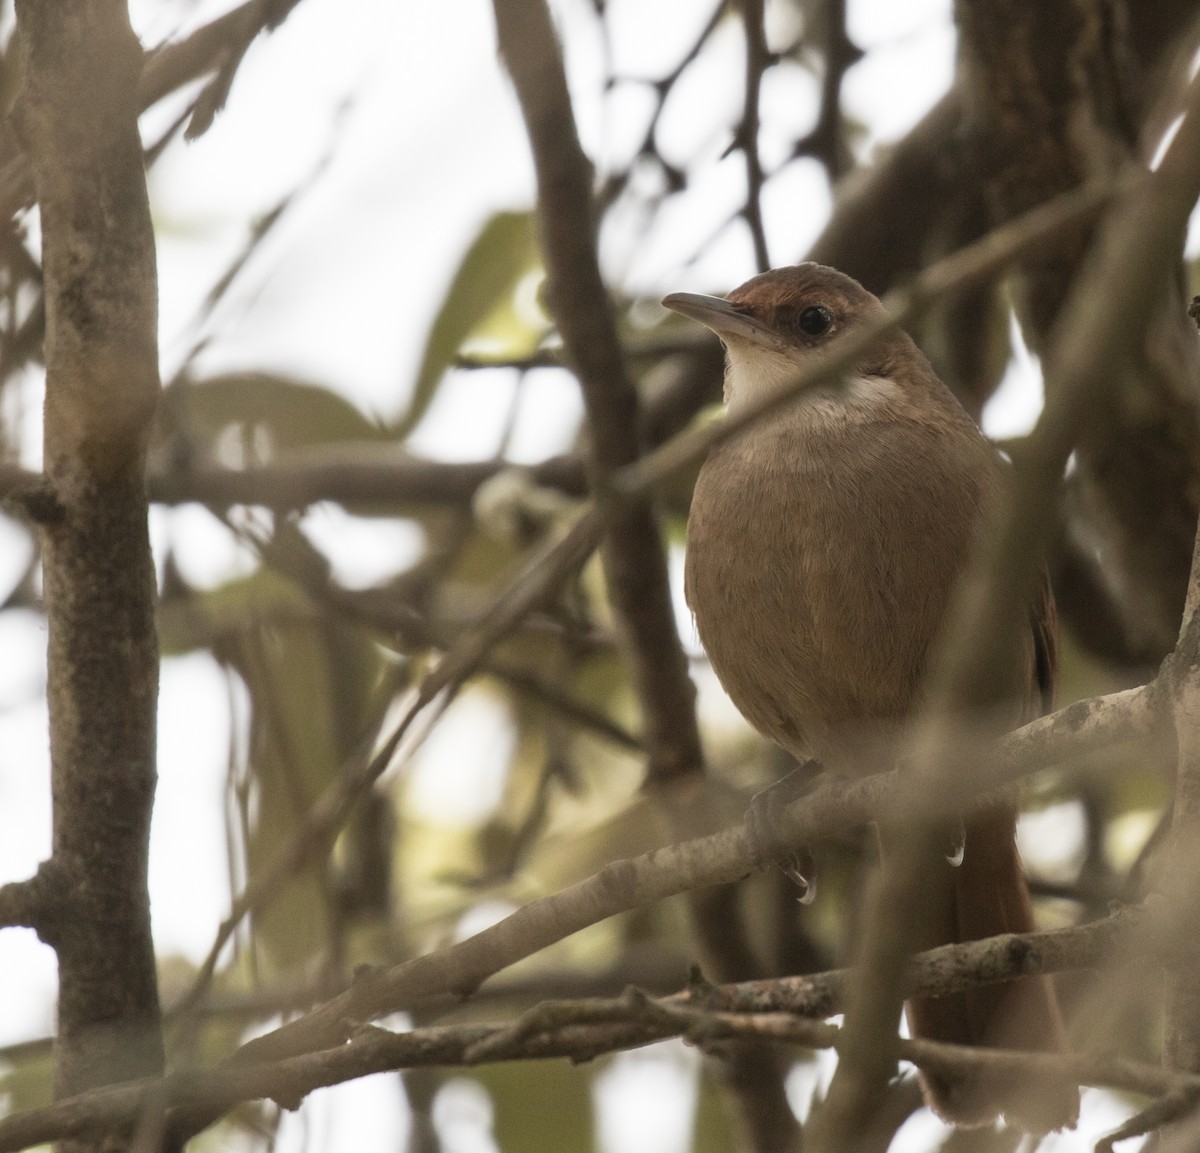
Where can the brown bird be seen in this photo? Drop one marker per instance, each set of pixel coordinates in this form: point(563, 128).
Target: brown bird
point(824, 543)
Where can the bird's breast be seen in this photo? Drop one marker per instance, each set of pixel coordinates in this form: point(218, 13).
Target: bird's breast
point(821, 555)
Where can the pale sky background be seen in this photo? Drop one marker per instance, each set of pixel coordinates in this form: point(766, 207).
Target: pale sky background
point(406, 106)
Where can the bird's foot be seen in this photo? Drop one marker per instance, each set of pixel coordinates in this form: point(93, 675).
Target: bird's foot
point(957, 848)
point(763, 825)
point(800, 868)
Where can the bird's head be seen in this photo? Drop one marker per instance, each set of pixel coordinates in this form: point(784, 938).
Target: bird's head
point(774, 324)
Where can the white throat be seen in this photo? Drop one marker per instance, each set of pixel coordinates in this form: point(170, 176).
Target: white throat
point(752, 372)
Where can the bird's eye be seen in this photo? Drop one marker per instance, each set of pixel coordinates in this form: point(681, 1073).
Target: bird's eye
point(815, 320)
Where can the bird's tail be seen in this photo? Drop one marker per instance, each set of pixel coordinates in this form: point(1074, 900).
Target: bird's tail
point(984, 896)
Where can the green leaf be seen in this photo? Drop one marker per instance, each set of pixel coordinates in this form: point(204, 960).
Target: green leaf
point(28, 1081)
point(313, 682)
point(529, 1094)
point(293, 413)
point(503, 252)
point(206, 620)
point(713, 1132)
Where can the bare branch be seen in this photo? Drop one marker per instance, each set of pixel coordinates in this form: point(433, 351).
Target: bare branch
point(354, 475)
point(720, 858)
point(635, 563)
point(757, 61)
point(770, 1011)
point(171, 66)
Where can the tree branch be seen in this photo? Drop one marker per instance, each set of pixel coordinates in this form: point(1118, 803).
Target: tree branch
point(720, 858)
point(77, 118)
point(372, 474)
point(757, 62)
point(634, 557)
point(771, 1011)
point(635, 563)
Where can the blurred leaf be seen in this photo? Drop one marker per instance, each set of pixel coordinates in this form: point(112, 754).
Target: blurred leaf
point(541, 1106)
point(205, 620)
point(506, 330)
point(483, 559)
point(503, 252)
point(27, 1083)
point(312, 681)
point(292, 413)
point(293, 755)
point(713, 1132)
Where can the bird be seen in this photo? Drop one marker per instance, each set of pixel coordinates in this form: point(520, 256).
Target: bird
point(824, 543)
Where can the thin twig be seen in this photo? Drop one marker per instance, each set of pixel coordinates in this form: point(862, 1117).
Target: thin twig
point(577, 1029)
point(758, 59)
point(825, 142)
point(716, 859)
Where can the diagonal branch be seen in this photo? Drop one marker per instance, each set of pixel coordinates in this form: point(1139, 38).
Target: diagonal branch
point(719, 858)
point(170, 66)
point(782, 1010)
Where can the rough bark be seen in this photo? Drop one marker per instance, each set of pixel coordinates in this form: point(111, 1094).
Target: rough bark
point(77, 119)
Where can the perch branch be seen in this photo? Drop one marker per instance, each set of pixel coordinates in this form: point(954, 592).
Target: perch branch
point(780, 1011)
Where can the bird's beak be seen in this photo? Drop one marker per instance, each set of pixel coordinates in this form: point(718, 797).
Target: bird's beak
point(721, 316)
